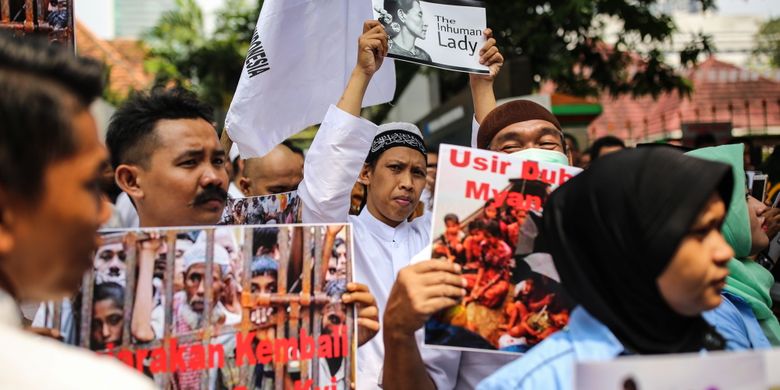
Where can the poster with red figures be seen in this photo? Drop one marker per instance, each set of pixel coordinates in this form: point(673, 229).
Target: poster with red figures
point(487, 210)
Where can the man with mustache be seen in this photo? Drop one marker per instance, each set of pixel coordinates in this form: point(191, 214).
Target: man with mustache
point(110, 264)
point(168, 159)
point(51, 205)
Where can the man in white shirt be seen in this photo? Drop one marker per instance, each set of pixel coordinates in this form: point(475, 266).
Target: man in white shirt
point(385, 246)
point(51, 206)
point(342, 154)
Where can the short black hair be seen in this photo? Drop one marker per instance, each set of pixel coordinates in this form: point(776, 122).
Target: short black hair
point(604, 142)
point(574, 141)
point(476, 224)
point(130, 135)
point(44, 86)
point(266, 238)
point(451, 217)
point(493, 228)
point(110, 290)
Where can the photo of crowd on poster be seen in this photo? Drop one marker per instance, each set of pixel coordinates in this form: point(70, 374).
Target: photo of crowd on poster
point(513, 299)
point(233, 291)
point(284, 208)
point(52, 19)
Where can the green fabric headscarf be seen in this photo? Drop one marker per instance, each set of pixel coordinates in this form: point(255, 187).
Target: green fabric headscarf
point(747, 279)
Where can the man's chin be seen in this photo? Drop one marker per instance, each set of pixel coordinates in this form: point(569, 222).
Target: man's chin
point(201, 217)
point(197, 307)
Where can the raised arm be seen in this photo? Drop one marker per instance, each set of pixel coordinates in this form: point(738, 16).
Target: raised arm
point(420, 290)
point(341, 145)
point(482, 85)
point(140, 325)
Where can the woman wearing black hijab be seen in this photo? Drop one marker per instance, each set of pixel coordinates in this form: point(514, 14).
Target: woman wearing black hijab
point(636, 240)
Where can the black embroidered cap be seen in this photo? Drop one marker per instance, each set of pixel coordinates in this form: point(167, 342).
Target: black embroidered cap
point(396, 134)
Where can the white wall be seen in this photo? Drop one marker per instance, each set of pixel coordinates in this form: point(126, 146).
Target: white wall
point(97, 15)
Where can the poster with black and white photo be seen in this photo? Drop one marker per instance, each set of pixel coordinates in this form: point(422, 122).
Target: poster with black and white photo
point(284, 208)
point(446, 34)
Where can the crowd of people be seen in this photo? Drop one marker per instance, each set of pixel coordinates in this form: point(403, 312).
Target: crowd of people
point(654, 247)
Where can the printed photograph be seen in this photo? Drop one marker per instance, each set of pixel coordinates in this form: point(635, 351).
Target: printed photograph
point(52, 19)
point(271, 209)
point(267, 295)
point(514, 299)
point(434, 33)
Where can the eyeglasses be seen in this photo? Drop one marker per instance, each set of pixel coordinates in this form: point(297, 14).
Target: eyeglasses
point(108, 254)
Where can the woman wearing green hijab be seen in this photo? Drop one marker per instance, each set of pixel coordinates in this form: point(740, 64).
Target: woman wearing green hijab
point(746, 298)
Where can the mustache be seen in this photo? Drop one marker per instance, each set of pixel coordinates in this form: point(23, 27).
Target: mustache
point(210, 193)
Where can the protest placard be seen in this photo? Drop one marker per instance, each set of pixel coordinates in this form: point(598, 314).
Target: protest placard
point(486, 215)
point(224, 307)
point(771, 364)
point(445, 34)
point(713, 371)
point(284, 208)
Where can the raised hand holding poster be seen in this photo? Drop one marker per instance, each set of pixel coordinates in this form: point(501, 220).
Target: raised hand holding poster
point(486, 212)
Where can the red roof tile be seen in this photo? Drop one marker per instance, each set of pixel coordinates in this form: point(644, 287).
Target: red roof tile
point(721, 92)
point(124, 58)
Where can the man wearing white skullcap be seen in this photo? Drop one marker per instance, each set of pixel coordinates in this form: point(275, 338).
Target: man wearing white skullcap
point(390, 162)
point(189, 305)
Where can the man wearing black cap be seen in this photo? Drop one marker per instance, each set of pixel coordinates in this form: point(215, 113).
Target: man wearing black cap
point(518, 125)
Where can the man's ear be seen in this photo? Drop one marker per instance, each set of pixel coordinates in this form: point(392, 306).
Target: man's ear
point(7, 217)
point(365, 175)
point(401, 15)
point(244, 184)
point(571, 157)
point(127, 178)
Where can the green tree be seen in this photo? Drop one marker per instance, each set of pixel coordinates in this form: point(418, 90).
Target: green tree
point(181, 55)
point(563, 41)
point(768, 43)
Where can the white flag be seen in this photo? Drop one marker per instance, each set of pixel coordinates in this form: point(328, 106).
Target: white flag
point(300, 59)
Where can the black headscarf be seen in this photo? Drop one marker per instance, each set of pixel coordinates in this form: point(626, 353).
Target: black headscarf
point(612, 231)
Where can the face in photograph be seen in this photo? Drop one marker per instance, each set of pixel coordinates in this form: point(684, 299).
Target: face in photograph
point(195, 286)
point(226, 239)
point(107, 316)
point(412, 19)
point(263, 283)
point(178, 264)
point(110, 264)
point(337, 264)
point(334, 318)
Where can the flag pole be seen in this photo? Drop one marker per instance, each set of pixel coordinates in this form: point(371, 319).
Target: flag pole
point(227, 143)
